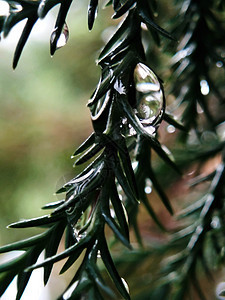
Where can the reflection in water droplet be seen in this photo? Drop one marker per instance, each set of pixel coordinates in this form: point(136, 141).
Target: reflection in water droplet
point(148, 186)
point(204, 87)
point(219, 64)
point(149, 97)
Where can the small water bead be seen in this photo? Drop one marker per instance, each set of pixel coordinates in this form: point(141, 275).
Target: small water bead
point(170, 129)
point(149, 96)
point(219, 64)
point(63, 38)
point(148, 186)
point(204, 87)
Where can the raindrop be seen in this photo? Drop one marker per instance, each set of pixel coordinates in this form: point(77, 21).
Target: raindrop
point(204, 87)
point(149, 97)
point(148, 186)
point(219, 64)
point(63, 38)
point(170, 129)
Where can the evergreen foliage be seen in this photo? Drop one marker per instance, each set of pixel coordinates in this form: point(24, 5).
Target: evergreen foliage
point(127, 109)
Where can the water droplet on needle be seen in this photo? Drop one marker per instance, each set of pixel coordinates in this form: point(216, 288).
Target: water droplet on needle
point(149, 97)
point(63, 38)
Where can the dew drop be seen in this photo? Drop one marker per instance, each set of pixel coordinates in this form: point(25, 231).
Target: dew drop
point(63, 38)
point(148, 186)
point(219, 64)
point(204, 87)
point(170, 129)
point(149, 96)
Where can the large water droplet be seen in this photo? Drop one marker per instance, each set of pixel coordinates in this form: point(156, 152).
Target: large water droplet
point(149, 96)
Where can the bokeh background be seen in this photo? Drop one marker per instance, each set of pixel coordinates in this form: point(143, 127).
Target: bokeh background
point(43, 118)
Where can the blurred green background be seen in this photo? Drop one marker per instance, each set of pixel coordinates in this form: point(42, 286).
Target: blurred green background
point(43, 117)
point(43, 114)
